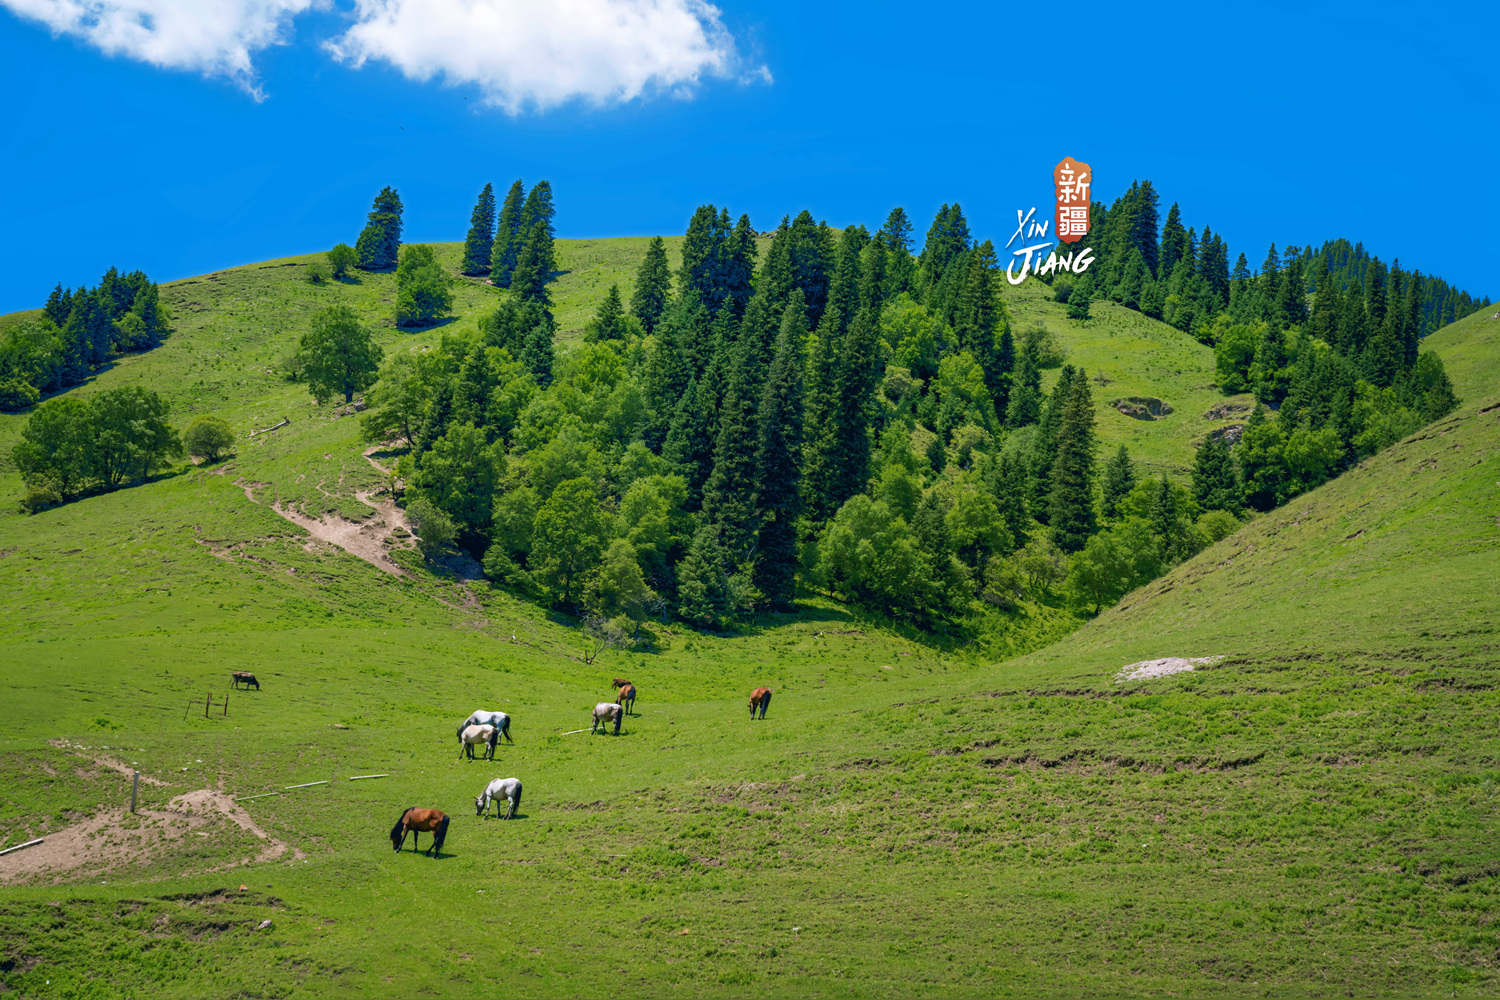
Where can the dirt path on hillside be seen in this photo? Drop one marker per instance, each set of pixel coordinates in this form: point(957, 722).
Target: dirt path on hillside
point(372, 539)
point(115, 838)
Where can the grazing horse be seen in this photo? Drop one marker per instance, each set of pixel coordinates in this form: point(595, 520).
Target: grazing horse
point(501, 788)
point(480, 717)
point(760, 698)
point(419, 821)
point(627, 698)
point(605, 711)
point(618, 683)
point(245, 677)
point(470, 735)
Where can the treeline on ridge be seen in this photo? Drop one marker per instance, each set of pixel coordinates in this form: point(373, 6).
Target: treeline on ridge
point(79, 330)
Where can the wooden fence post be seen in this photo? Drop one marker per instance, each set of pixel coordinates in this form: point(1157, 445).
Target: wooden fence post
point(135, 786)
point(206, 703)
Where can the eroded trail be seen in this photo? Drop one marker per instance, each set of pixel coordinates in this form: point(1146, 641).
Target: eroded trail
point(371, 539)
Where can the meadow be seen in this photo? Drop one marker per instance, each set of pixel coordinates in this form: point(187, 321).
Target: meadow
point(1309, 815)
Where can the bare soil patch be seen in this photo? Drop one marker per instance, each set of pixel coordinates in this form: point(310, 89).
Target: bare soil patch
point(116, 839)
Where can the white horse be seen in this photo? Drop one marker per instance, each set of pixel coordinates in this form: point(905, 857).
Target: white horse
point(469, 736)
point(499, 720)
point(501, 788)
point(603, 712)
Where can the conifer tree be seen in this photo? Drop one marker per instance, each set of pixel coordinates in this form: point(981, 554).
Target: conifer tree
point(729, 494)
point(59, 304)
point(739, 267)
point(1165, 518)
point(1044, 445)
point(534, 267)
point(779, 461)
point(1119, 480)
point(702, 275)
point(480, 242)
point(1007, 481)
point(1411, 329)
point(508, 237)
point(669, 369)
point(1173, 236)
point(380, 241)
point(702, 586)
point(690, 442)
point(1071, 511)
point(539, 208)
point(1025, 403)
point(897, 230)
point(1216, 482)
point(609, 320)
point(811, 256)
point(538, 353)
point(653, 286)
point(981, 325)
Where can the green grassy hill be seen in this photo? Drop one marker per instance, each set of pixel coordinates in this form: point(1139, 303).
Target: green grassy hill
point(1311, 813)
point(1470, 349)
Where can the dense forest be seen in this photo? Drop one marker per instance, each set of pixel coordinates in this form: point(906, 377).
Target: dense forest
point(835, 411)
point(842, 414)
point(79, 330)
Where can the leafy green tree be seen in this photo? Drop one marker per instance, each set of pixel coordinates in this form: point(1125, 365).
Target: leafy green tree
point(568, 536)
point(209, 439)
point(424, 292)
point(397, 400)
point(620, 587)
point(460, 476)
point(534, 266)
point(380, 240)
point(55, 446)
point(653, 286)
point(1115, 562)
point(511, 530)
point(871, 556)
point(1234, 353)
point(130, 435)
point(1072, 507)
point(508, 237)
point(1119, 480)
point(339, 354)
point(609, 322)
point(978, 529)
point(480, 242)
point(340, 259)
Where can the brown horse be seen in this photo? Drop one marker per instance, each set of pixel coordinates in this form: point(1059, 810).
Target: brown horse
point(626, 698)
point(760, 698)
point(618, 683)
point(417, 822)
point(243, 677)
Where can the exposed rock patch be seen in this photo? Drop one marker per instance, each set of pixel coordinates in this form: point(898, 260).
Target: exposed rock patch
point(1147, 669)
point(1231, 433)
point(1224, 411)
point(1142, 407)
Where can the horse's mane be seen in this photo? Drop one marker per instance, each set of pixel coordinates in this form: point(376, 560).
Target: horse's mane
point(396, 830)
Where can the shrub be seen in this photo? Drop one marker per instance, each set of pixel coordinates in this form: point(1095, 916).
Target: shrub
point(435, 531)
point(209, 439)
point(316, 273)
point(341, 258)
point(40, 496)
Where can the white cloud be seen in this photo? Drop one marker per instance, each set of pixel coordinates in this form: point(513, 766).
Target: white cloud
point(215, 37)
point(519, 53)
point(541, 53)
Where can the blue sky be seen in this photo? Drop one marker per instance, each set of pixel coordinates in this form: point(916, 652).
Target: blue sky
point(191, 146)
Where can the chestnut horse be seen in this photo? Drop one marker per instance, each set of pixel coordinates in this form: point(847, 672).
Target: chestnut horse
point(760, 697)
point(417, 822)
point(626, 697)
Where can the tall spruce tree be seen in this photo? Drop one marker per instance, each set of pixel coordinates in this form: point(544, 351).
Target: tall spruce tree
point(480, 242)
point(982, 327)
point(1119, 480)
point(779, 460)
point(690, 442)
point(1072, 518)
point(1173, 236)
point(897, 230)
point(653, 286)
point(380, 242)
point(1216, 483)
point(539, 208)
point(609, 320)
point(729, 494)
point(508, 237)
point(534, 267)
point(1025, 402)
point(1044, 445)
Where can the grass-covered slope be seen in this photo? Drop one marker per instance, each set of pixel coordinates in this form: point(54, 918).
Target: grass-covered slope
point(1470, 349)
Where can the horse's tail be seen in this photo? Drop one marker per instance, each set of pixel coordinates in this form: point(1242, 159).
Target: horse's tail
point(439, 835)
point(505, 728)
point(517, 806)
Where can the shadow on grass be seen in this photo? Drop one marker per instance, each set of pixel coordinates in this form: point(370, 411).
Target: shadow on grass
point(423, 327)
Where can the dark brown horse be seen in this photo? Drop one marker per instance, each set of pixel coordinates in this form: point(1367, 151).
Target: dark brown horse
point(417, 822)
point(626, 698)
point(243, 677)
point(760, 698)
point(618, 683)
